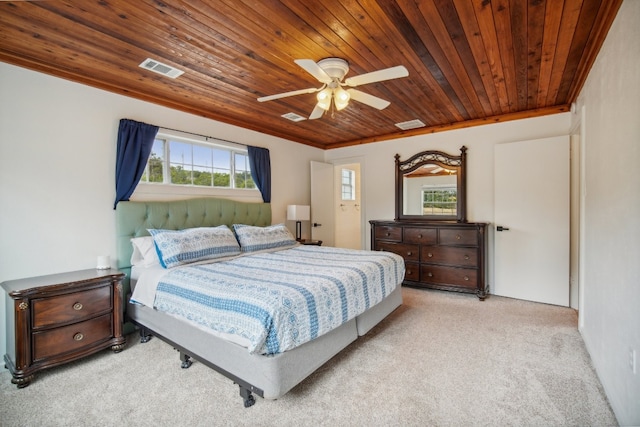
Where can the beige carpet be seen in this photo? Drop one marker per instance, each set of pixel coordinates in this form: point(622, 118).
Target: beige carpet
point(442, 359)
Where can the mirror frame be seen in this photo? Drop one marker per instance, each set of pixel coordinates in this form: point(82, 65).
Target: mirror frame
point(441, 159)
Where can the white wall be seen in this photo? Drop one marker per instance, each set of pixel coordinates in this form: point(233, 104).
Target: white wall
point(610, 317)
point(57, 168)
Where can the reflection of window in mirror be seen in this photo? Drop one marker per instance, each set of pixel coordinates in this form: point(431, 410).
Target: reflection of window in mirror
point(348, 184)
point(439, 200)
point(431, 190)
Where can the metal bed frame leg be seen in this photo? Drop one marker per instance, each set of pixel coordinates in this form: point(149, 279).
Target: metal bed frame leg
point(145, 336)
point(248, 398)
point(186, 360)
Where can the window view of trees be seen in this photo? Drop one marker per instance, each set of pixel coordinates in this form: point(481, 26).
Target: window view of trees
point(199, 165)
point(439, 201)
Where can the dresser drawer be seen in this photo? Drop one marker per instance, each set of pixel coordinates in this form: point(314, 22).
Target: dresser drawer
point(421, 236)
point(449, 255)
point(408, 252)
point(389, 233)
point(71, 307)
point(69, 338)
point(461, 277)
point(412, 271)
point(449, 236)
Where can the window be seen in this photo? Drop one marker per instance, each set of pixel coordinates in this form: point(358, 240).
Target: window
point(182, 161)
point(439, 200)
point(348, 184)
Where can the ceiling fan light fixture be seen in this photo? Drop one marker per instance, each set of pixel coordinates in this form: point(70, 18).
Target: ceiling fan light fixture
point(341, 98)
point(331, 95)
point(324, 99)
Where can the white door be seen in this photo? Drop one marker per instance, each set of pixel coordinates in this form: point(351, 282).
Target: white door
point(322, 205)
point(532, 210)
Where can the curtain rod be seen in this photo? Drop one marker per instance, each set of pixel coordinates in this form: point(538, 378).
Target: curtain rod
point(204, 136)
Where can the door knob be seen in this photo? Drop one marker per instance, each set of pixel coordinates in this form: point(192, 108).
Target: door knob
point(501, 228)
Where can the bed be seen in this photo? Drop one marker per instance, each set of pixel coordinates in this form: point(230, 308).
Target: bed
point(266, 370)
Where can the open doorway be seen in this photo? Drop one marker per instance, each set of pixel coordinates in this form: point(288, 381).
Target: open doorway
point(348, 221)
point(337, 202)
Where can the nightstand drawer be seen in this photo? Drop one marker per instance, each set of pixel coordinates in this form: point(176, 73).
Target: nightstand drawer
point(66, 339)
point(71, 307)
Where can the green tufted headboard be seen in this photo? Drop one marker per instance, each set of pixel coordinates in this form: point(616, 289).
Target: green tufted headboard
point(134, 218)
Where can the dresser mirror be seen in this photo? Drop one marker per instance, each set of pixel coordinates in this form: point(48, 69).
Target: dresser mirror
point(431, 185)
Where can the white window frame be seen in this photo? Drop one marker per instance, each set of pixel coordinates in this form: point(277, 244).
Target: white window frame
point(168, 190)
point(350, 187)
point(437, 189)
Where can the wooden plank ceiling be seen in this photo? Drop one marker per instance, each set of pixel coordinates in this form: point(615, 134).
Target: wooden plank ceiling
point(470, 62)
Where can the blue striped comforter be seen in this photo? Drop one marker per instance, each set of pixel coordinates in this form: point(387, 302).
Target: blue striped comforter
point(279, 300)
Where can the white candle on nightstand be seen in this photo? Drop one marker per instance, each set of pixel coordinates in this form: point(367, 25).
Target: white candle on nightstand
point(104, 262)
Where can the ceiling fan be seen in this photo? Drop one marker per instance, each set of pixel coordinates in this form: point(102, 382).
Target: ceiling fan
point(330, 72)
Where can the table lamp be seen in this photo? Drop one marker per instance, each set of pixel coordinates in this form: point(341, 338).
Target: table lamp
point(298, 213)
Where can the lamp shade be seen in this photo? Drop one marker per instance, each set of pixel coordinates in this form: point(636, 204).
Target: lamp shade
point(324, 98)
point(341, 98)
point(298, 213)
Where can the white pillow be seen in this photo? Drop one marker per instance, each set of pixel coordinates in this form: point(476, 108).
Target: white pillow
point(177, 247)
point(253, 238)
point(144, 252)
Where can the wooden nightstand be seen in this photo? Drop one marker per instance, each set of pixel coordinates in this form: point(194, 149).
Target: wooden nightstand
point(60, 318)
point(310, 242)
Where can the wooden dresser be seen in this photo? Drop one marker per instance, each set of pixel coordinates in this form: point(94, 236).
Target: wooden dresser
point(59, 318)
point(438, 254)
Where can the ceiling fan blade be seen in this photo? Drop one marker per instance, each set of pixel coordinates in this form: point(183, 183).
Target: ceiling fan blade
point(370, 100)
point(314, 69)
point(316, 113)
point(377, 76)
point(286, 94)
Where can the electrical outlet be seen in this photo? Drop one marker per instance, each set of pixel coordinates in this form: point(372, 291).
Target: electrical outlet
point(632, 360)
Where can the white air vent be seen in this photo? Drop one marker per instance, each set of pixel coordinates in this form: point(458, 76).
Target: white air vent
point(160, 68)
point(411, 124)
point(294, 117)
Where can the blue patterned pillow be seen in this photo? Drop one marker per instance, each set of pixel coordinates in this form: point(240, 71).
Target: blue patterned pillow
point(177, 247)
point(253, 238)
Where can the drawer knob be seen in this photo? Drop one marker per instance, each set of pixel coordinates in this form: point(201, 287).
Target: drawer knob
point(409, 253)
point(466, 257)
point(466, 278)
point(419, 236)
point(430, 255)
point(78, 336)
point(458, 237)
point(77, 306)
point(430, 274)
point(388, 234)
